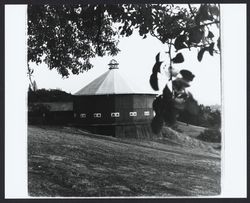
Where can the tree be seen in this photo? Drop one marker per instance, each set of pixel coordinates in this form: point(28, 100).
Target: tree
point(29, 89)
point(206, 117)
point(52, 95)
point(34, 86)
point(66, 37)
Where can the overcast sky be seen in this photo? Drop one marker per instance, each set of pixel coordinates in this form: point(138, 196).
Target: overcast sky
point(136, 60)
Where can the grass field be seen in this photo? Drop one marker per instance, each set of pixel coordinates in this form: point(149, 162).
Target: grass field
point(191, 130)
point(72, 163)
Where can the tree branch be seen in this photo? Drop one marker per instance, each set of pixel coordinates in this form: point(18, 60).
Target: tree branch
point(206, 24)
point(170, 65)
point(154, 35)
point(30, 74)
point(191, 10)
point(100, 18)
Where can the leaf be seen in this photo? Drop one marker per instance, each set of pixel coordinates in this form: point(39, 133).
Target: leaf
point(210, 35)
point(211, 49)
point(178, 58)
point(157, 104)
point(157, 67)
point(175, 32)
point(203, 14)
point(145, 36)
point(167, 94)
point(201, 53)
point(214, 10)
point(143, 30)
point(188, 75)
point(154, 81)
point(218, 43)
point(128, 32)
point(157, 57)
point(179, 42)
point(195, 35)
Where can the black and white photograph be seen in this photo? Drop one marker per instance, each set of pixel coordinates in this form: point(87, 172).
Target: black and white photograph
point(124, 100)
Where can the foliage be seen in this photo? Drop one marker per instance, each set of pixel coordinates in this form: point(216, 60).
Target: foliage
point(210, 135)
point(167, 107)
point(39, 108)
point(206, 117)
point(66, 37)
point(53, 95)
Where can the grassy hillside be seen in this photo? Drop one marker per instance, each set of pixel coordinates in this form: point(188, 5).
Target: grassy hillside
point(191, 130)
point(70, 162)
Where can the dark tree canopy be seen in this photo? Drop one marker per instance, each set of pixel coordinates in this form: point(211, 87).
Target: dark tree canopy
point(66, 37)
point(52, 95)
point(206, 117)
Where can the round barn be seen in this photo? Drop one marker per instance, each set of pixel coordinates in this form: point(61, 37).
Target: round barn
point(111, 105)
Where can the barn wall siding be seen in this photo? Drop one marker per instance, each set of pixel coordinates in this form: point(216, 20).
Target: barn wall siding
point(51, 118)
point(124, 105)
point(90, 105)
point(84, 107)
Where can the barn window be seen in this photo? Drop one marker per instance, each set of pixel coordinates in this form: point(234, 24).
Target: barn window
point(83, 115)
point(97, 115)
point(146, 113)
point(133, 113)
point(115, 114)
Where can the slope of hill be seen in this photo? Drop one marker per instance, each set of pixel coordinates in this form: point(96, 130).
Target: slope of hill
point(191, 130)
point(70, 162)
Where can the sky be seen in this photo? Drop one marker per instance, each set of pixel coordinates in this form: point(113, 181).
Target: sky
point(136, 60)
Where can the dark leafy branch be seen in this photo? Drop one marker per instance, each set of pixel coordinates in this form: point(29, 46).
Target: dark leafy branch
point(67, 37)
point(170, 103)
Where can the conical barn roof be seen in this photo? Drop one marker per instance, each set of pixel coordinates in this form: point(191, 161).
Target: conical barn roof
point(111, 82)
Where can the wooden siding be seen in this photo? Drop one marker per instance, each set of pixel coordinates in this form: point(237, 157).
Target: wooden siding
point(106, 104)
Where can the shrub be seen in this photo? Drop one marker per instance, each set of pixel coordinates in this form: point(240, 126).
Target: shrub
point(39, 108)
point(52, 95)
point(210, 135)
